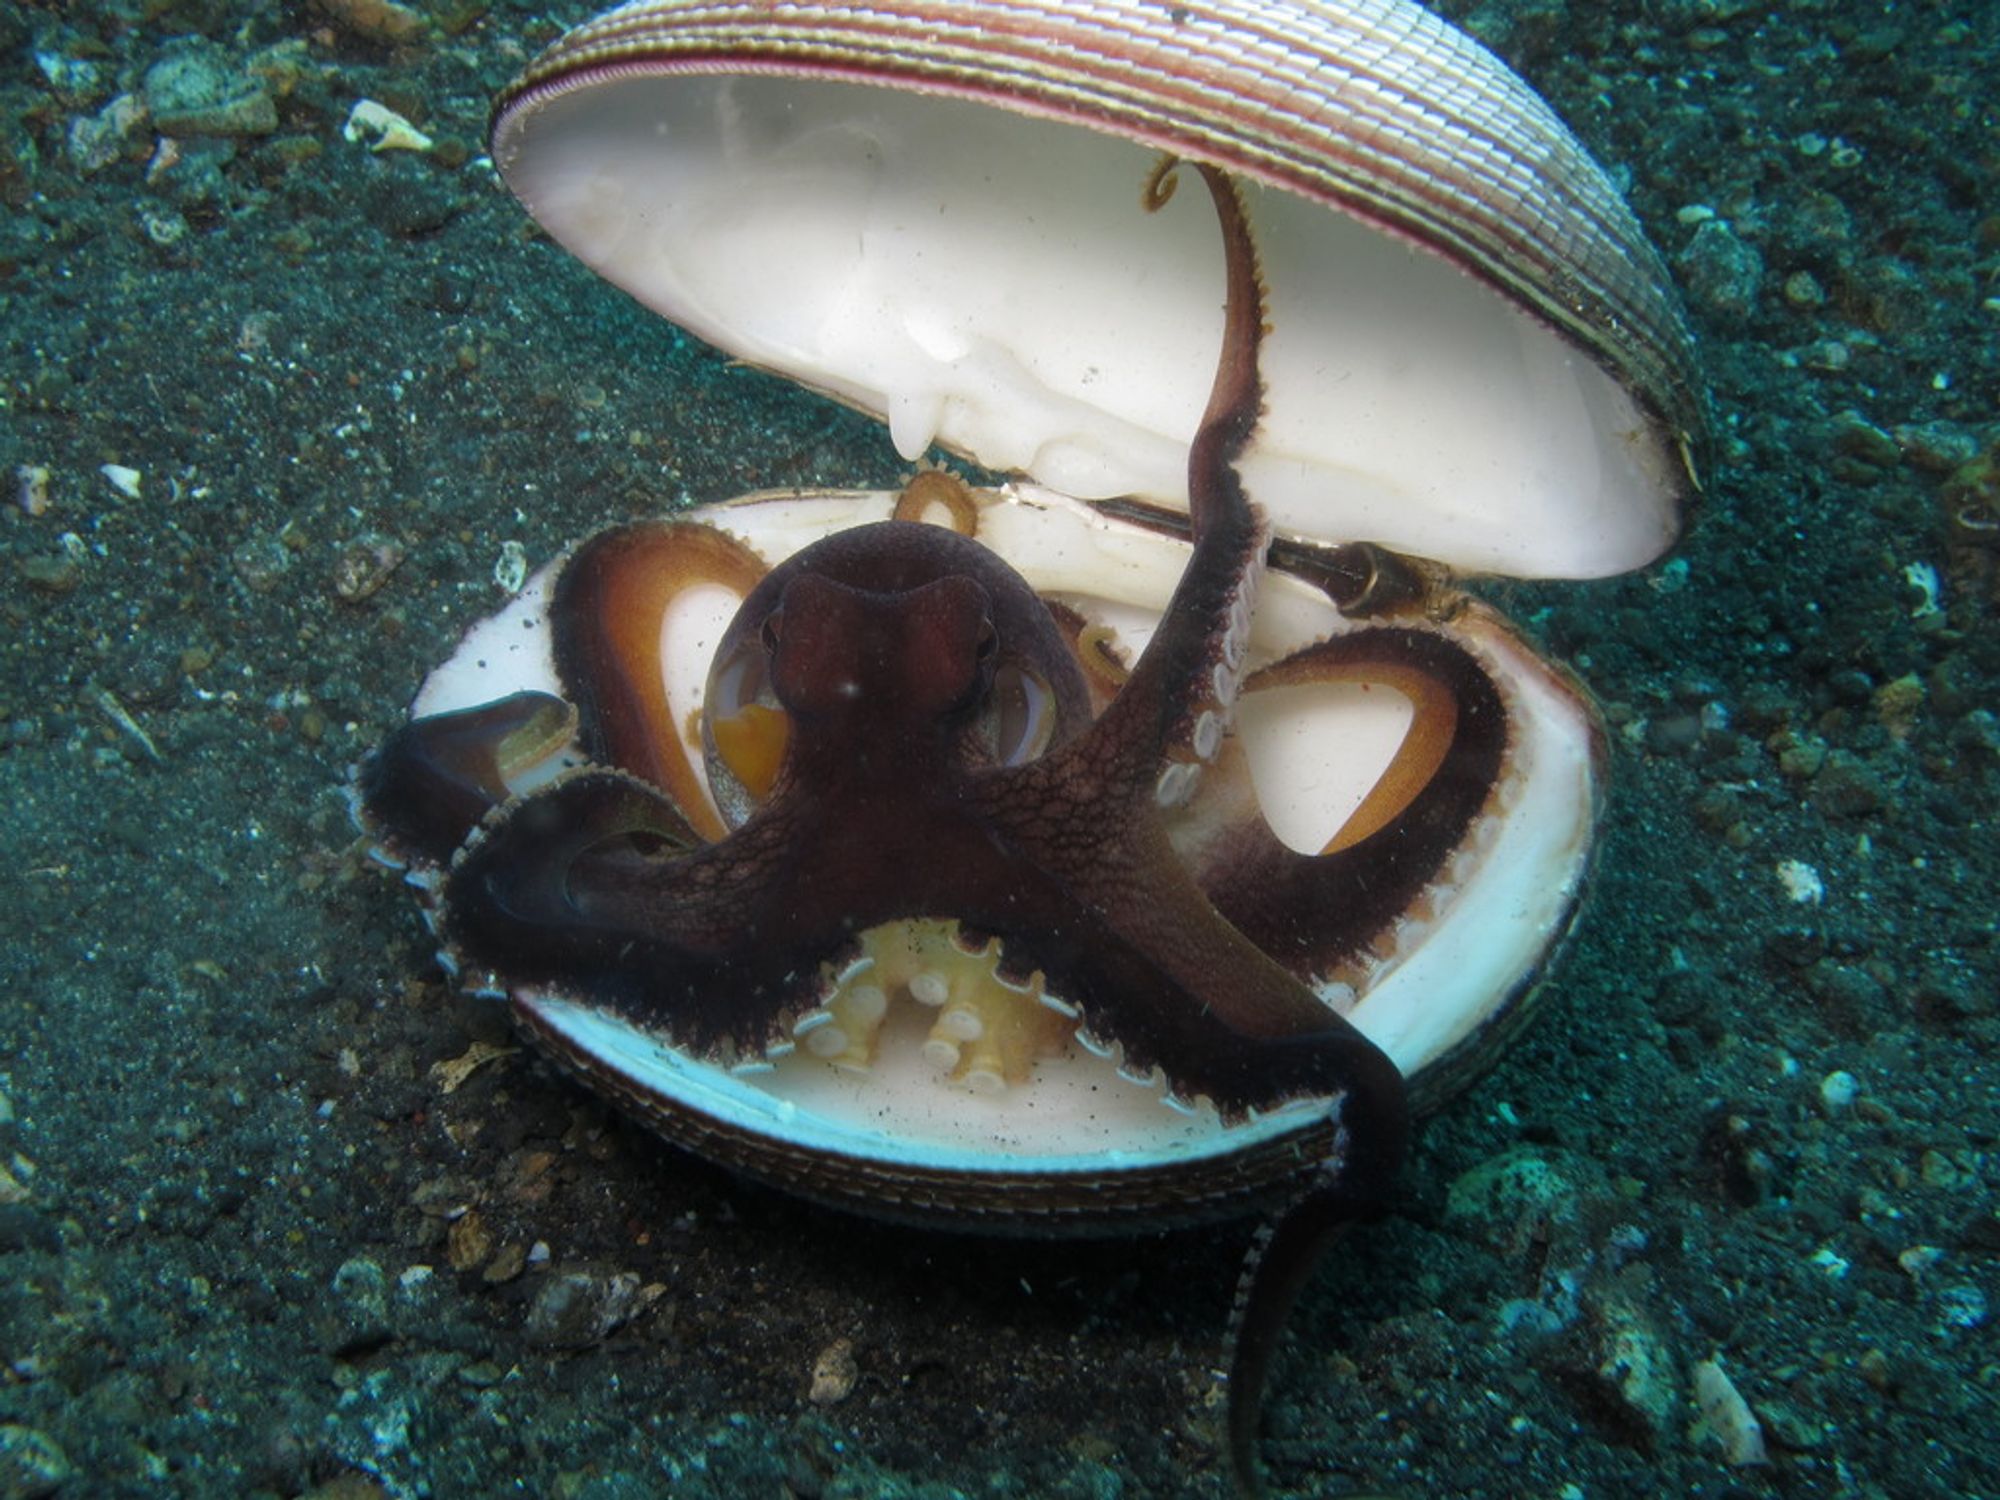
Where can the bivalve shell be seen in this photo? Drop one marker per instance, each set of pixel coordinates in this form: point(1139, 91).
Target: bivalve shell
point(890, 201)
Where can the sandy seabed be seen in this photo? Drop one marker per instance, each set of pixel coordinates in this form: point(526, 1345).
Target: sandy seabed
point(343, 382)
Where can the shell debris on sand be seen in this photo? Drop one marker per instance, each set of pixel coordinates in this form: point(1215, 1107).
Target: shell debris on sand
point(382, 128)
point(32, 493)
point(834, 1374)
point(375, 20)
point(125, 481)
point(1724, 1418)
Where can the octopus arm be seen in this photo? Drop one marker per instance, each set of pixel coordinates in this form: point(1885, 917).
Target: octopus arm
point(598, 889)
point(1313, 911)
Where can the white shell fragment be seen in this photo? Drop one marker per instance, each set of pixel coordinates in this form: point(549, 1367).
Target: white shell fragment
point(125, 481)
point(510, 570)
point(31, 489)
point(1800, 882)
point(1838, 1091)
point(897, 207)
point(1724, 1418)
point(382, 128)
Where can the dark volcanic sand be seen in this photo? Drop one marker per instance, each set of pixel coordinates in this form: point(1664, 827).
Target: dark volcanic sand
point(224, 1145)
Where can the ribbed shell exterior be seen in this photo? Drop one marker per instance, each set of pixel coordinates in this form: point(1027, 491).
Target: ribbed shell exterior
point(1374, 107)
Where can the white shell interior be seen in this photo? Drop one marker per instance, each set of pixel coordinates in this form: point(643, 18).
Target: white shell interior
point(1076, 1115)
point(1507, 895)
point(989, 281)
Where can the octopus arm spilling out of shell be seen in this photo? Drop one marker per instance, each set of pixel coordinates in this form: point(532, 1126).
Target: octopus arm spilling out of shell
point(1072, 859)
point(1114, 873)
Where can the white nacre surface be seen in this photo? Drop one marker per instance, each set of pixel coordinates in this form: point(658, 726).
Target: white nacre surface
point(990, 281)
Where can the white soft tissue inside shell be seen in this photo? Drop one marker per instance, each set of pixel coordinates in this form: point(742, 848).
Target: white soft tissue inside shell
point(990, 281)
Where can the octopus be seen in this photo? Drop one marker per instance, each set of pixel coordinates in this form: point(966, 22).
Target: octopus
point(946, 827)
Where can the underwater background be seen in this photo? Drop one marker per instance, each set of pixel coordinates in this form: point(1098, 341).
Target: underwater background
point(280, 1214)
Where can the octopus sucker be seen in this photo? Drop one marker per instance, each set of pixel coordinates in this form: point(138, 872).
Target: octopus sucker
point(1208, 732)
point(938, 497)
point(1176, 783)
point(1098, 1047)
point(985, 1030)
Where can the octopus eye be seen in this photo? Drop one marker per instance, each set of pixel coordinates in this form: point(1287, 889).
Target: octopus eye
point(772, 630)
point(988, 642)
point(627, 852)
point(744, 728)
point(1021, 714)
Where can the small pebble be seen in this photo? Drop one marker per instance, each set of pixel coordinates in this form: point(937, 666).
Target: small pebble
point(1838, 1090)
point(469, 1242)
point(260, 564)
point(49, 575)
point(32, 1464)
point(1873, 1367)
point(1857, 437)
point(1803, 291)
point(511, 1260)
point(1722, 269)
point(1936, 447)
point(1793, 1428)
point(1725, 1418)
point(377, 20)
point(362, 566)
point(1898, 703)
point(1802, 760)
point(358, 1308)
point(96, 141)
point(125, 481)
point(834, 1374)
point(197, 89)
point(1936, 1170)
point(575, 1309)
point(1847, 788)
point(32, 489)
point(1919, 1258)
